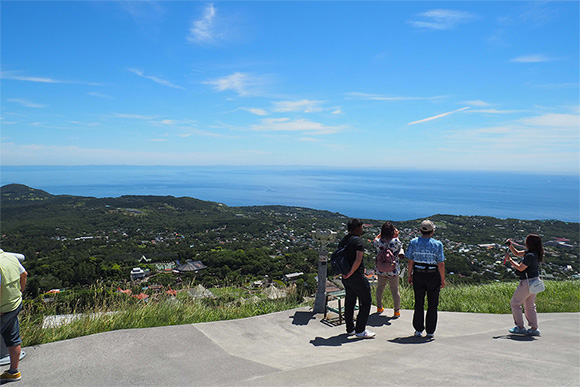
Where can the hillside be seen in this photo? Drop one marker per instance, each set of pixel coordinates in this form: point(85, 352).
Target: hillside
point(75, 241)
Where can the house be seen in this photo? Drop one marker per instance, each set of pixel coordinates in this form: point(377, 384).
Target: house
point(292, 276)
point(190, 266)
point(137, 273)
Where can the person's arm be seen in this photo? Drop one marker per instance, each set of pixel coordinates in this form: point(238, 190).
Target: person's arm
point(356, 264)
point(516, 252)
point(410, 269)
point(441, 267)
point(23, 277)
point(515, 265)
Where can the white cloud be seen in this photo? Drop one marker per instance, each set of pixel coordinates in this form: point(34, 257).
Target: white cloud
point(11, 75)
point(242, 83)
point(26, 103)
point(535, 58)
point(35, 154)
point(442, 19)
point(379, 97)
point(301, 125)
point(494, 111)
point(256, 111)
point(437, 116)
point(89, 124)
point(476, 102)
point(203, 30)
point(134, 116)
point(548, 134)
point(305, 105)
point(100, 95)
point(554, 120)
point(155, 79)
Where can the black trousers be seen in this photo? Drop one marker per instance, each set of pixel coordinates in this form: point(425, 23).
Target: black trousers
point(426, 283)
point(357, 286)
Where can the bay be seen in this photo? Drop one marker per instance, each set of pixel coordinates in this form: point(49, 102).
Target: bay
point(366, 193)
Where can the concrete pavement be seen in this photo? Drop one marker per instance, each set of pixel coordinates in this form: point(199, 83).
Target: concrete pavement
point(296, 348)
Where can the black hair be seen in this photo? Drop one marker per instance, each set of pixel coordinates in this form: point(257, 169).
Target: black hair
point(353, 224)
point(534, 245)
point(387, 230)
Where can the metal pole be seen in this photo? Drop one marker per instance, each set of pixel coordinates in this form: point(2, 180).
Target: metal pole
point(320, 300)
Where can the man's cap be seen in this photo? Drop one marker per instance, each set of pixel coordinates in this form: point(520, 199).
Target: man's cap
point(427, 226)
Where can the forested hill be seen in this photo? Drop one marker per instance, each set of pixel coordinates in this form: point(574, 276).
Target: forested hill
point(24, 208)
point(75, 240)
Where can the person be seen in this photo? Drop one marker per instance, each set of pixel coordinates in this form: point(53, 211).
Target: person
point(388, 239)
point(12, 282)
point(427, 274)
point(528, 268)
point(355, 283)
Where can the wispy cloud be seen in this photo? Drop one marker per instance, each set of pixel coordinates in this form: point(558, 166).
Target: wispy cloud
point(100, 95)
point(305, 105)
point(256, 111)
point(552, 86)
point(203, 30)
point(477, 102)
point(13, 75)
point(133, 116)
point(437, 116)
point(552, 137)
point(554, 120)
point(89, 124)
point(301, 125)
point(535, 58)
point(26, 103)
point(494, 111)
point(379, 97)
point(442, 19)
point(243, 84)
point(155, 79)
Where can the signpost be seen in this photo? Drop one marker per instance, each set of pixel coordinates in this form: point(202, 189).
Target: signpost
point(324, 237)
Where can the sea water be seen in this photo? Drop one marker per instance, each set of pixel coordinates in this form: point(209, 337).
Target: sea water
point(365, 193)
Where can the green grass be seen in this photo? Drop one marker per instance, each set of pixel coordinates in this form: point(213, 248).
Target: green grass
point(234, 303)
point(231, 303)
point(559, 296)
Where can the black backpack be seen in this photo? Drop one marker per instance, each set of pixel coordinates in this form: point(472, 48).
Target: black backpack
point(339, 261)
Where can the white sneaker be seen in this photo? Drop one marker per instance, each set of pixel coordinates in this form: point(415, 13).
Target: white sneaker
point(366, 334)
point(430, 335)
point(418, 334)
point(351, 332)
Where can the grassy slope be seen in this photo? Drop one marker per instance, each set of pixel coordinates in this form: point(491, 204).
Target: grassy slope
point(560, 296)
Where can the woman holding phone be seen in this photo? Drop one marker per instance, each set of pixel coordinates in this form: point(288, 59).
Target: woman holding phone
point(527, 269)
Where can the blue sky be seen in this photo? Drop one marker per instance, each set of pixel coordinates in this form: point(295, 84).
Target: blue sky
point(472, 85)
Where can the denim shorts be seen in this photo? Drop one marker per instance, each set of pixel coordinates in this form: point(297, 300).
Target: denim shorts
point(11, 327)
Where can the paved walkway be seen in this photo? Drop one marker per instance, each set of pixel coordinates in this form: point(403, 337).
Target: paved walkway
point(296, 348)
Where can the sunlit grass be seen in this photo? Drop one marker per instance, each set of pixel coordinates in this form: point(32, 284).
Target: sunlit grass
point(130, 313)
point(559, 296)
point(234, 302)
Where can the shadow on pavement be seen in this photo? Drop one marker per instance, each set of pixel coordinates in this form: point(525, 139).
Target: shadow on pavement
point(377, 320)
point(334, 341)
point(411, 340)
point(302, 318)
point(515, 337)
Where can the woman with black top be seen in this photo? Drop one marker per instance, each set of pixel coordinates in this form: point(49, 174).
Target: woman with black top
point(527, 269)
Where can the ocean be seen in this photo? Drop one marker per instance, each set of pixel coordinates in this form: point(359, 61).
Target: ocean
point(364, 193)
